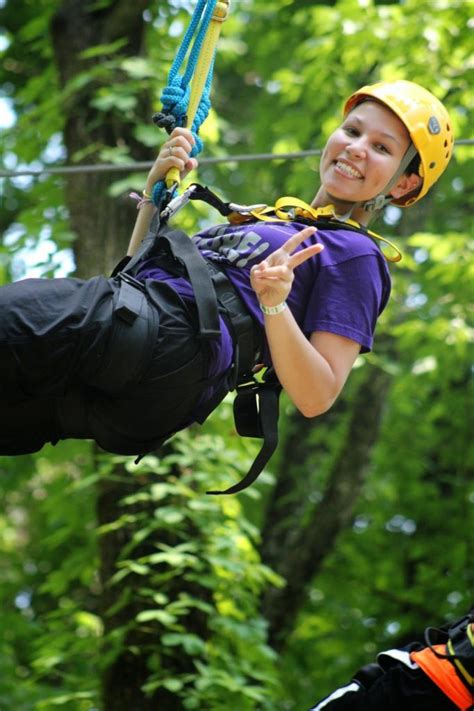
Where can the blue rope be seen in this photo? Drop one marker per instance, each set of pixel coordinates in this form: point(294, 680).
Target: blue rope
point(175, 96)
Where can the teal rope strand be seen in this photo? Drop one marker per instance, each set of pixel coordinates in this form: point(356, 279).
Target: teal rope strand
point(176, 95)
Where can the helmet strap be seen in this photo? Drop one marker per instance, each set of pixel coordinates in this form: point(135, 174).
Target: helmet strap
point(383, 199)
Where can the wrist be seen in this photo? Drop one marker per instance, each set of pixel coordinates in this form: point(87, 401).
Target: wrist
point(273, 310)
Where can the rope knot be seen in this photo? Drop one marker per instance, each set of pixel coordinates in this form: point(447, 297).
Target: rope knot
point(166, 121)
point(175, 99)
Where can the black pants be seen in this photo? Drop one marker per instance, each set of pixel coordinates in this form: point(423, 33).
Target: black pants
point(59, 346)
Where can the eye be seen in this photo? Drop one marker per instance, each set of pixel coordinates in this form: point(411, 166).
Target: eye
point(351, 130)
point(382, 148)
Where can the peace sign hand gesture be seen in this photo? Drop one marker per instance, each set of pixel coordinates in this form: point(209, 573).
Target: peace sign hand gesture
point(273, 277)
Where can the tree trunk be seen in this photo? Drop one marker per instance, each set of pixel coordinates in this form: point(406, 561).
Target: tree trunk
point(297, 550)
point(123, 678)
point(103, 227)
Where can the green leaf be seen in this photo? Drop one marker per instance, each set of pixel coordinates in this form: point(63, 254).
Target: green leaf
point(156, 616)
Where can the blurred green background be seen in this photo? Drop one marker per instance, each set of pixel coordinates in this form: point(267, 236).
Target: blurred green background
point(125, 587)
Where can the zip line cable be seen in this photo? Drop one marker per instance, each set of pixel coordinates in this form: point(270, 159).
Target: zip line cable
point(146, 165)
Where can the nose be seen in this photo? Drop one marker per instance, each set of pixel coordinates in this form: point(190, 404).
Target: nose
point(357, 147)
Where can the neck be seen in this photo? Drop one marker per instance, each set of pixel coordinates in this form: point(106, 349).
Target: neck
point(342, 207)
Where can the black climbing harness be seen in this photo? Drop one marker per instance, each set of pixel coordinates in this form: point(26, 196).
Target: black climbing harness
point(256, 402)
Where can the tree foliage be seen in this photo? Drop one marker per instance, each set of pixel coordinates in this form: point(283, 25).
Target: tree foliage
point(124, 586)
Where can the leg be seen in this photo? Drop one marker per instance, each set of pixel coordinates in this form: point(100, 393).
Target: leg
point(52, 331)
point(49, 330)
point(27, 425)
point(165, 397)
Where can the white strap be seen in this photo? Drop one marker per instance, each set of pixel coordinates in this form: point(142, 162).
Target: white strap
point(349, 689)
point(400, 656)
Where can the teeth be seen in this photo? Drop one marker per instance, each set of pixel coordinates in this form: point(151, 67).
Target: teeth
point(348, 170)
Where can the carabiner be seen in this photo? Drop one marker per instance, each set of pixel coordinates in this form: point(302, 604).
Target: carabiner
point(176, 203)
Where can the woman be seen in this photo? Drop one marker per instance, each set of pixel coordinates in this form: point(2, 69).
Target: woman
point(313, 296)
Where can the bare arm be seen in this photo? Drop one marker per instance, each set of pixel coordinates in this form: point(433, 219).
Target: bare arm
point(173, 154)
point(312, 372)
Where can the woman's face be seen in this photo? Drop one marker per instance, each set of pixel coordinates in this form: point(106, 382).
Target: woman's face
point(363, 154)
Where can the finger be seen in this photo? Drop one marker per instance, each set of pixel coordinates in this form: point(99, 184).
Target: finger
point(304, 254)
point(175, 150)
point(184, 142)
point(191, 164)
point(179, 145)
point(259, 267)
point(295, 240)
point(276, 273)
point(172, 161)
point(184, 132)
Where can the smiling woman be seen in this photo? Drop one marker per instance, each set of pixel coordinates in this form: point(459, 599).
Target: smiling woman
point(363, 155)
point(130, 360)
point(395, 142)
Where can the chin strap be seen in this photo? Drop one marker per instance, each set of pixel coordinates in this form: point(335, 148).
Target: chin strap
point(383, 199)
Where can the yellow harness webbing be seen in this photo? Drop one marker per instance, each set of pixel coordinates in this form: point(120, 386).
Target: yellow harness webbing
point(290, 208)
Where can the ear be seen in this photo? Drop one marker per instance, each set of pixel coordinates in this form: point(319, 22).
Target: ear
point(406, 184)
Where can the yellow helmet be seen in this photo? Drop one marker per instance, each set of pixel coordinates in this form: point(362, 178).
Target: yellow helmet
point(425, 119)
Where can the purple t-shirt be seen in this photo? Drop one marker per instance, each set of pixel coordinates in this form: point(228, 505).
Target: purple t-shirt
point(342, 290)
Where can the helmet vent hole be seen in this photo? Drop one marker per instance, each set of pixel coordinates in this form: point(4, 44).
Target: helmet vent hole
point(445, 144)
point(432, 164)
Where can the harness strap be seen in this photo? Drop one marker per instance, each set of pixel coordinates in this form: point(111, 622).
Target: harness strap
point(462, 656)
point(245, 333)
point(129, 264)
point(256, 415)
point(290, 209)
point(185, 251)
point(180, 247)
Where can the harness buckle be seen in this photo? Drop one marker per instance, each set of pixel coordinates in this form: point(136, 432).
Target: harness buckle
point(130, 298)
point(247, 209)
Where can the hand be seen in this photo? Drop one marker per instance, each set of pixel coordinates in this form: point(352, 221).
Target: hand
point(173, 154)
point(273, 277)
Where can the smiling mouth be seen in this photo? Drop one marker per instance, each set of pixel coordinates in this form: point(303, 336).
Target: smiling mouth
point(348, 170)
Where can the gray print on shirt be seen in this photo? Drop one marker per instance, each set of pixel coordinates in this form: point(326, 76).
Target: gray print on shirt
point(237, 247)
